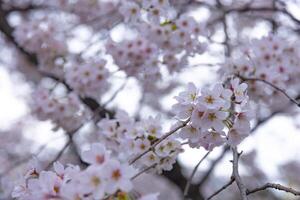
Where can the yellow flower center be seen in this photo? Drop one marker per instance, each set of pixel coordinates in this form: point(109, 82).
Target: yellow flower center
point(212, 116)
point(96, 181)
point(209, 99)
point(116, 174)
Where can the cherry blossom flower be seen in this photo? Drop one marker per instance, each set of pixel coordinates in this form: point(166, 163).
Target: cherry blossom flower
point(94, 181)
point(214, 119)
point(211, 98)
point(118, 176)
point(96, 155)
point(131, 11)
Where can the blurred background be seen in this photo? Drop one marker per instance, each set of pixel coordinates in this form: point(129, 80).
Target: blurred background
point(270, 154)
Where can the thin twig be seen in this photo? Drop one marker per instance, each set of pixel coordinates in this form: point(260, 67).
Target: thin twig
point(235, 172)
point(58, 155)
point(115, 94)
point(232, 179)
point(273, 86)
point(188, 184)
point(143, 171)
point(214, 163)
point(274, 186)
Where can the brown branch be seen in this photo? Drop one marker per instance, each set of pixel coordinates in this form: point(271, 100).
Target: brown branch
point(236, 175)
point(188, 184)
point(232, 179)
point(273, 86)
point(274, 186)
point(143, 171)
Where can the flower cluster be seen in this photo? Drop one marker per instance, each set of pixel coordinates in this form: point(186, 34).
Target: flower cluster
point(37, 37)
point(211, 118)
point(156, 11)
point(217, 115)
point(64, 111)
point(271, 59)
point(134, 57)
point(177, 36)
point(97, 13)
point(161, 41)
point(161, 37)
point(88, 78)
point(129, 139)
point(105, 176)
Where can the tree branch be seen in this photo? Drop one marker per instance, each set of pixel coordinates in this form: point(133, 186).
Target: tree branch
point(235, 172)
point(274, 186)
point(143, 171)
point(7, 30)
point(273, 86)
point(60, 153)
point(166, 135)
point(188, 184)
point(212, 167)
point(232, 179)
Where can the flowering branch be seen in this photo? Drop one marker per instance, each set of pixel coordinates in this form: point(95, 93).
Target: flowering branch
point(7, 30)
point(166, 135)
point(226, 148)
